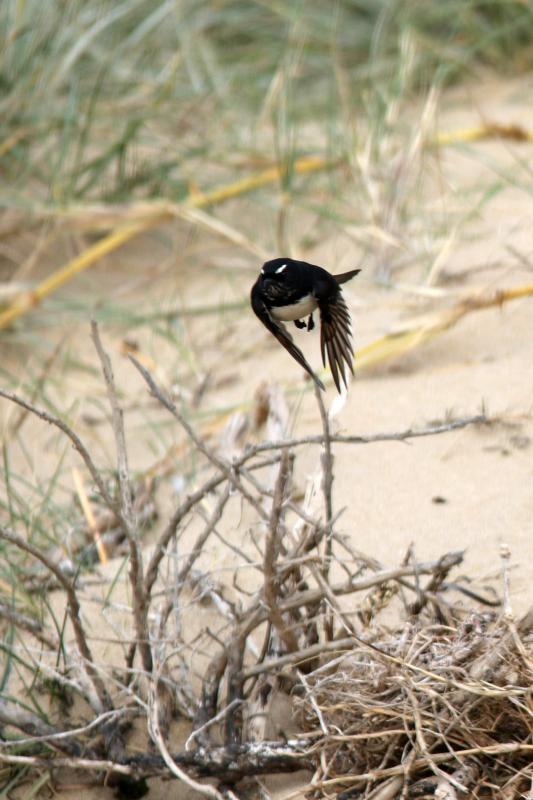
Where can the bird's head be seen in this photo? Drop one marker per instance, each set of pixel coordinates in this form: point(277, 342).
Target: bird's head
point(278, 271)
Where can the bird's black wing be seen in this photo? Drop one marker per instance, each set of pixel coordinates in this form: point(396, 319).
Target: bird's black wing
point(282, 335)
point(335, 336)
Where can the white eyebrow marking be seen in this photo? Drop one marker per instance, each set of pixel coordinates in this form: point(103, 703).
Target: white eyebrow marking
point(280, 269)
point(262, 272)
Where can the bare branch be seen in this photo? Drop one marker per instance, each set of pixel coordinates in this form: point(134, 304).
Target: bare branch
point(299, 657)
point(439, 575)
point(228, 470)
point(128, 514)
point(76, 441)
point(203, 537)
point(327, 471)
point(311, 596)
point(397, 436)
point(171, 528)
point(192, 557)
point(92, 765)
point(271, 582)
point(34, 727)
point(208, 701)
point(41, 732)
point(228, 765)
point(157, 738)
point(140, 597)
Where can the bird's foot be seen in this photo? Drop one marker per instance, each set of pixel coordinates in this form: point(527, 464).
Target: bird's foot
point(299, 323)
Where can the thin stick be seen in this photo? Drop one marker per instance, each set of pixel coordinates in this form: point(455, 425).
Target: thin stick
point(505, 557)
point(38, 384)
point(299, 657)
point(96, 765)
point(399, 436)
point(76, 441)
point(327, 471)
point(440, 573)
point(180, 513)
point(43, 732)
point(314, 704)
point(225, 467)
point(208, 701)
point(235, 689)
point(203, 537)
point(157, 737)
point(310, 596)
point(271, 582)
point(192, 557)
point(152, 570)
point(198, 733)
point(37, 730)
point(421, 763)
point(140, 604)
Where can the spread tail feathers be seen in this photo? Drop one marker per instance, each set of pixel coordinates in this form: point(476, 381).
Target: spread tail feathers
point(346, 276)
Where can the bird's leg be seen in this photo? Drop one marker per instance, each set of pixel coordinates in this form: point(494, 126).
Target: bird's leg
point(299, 323)
point(310, 323)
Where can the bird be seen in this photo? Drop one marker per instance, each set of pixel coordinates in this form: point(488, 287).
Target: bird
point(288, 290)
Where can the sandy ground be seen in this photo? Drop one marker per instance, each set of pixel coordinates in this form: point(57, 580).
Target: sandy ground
point(483, 474)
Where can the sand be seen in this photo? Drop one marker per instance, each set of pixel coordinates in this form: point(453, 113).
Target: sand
point(470, 489)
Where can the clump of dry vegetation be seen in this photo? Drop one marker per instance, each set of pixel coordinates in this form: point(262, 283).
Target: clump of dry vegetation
point(443, 702)
point(429, 710)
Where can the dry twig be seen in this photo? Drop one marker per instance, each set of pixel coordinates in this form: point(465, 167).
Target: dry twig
point(140, 605)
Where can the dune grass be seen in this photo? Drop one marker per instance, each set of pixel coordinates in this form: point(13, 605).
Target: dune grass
point(110, 101)
point(195, 103)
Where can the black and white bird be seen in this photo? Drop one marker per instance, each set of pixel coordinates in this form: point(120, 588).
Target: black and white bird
point(288, 290)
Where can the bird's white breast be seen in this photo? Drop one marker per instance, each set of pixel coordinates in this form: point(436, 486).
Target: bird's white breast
point(302, 308)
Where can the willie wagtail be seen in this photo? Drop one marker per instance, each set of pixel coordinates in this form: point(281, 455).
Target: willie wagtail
point(288, 290)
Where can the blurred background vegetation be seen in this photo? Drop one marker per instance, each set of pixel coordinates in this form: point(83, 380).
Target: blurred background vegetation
point(110, 101)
